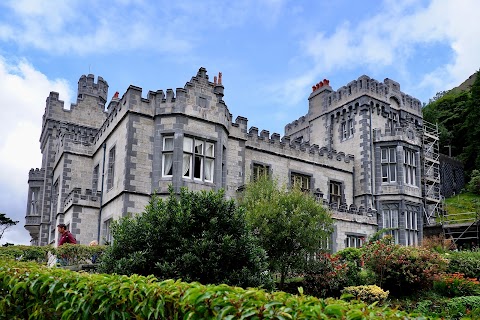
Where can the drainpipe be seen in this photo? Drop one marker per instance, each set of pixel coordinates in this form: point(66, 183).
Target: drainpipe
point(101, 194)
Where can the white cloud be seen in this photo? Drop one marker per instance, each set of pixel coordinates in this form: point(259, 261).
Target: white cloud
point(389, 40)
point(22, 93)
point(85, 27)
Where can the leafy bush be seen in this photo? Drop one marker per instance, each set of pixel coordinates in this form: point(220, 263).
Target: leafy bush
point(474, 184)
point(456, 285)
point(325, 275)
point(466, 262)
point(31, 291)
point(402, 269)
point(26, 253)
point(438, 244)
point(196, 236)
point(356, 274)
point(369, 293)
point(450, 308)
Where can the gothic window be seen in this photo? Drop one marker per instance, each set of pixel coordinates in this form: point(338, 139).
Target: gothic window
point(167, 156)
point(389, 165)
point(300, 181)
point(95, 179)
point(411, 225)
point(350, 128)
point(410, 167)
point(260, 171)
point(55, 199)
point(34, 202)
point(111, 168)
point(390, 219)
point(354, 241)
point(198, 159)
point(335, 189)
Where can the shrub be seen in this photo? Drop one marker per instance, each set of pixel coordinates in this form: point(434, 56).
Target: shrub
point(325, 276)
point(194, 236)
point(456, 285)
point(369, 293)
point(438, 244)
point(466, 262)
point(26, 253)
point(402, 269)
point(474, 184)
point(356, 274)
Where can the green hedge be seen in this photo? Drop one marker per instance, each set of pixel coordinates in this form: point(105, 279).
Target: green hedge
point(72, 253)
point(32, 291)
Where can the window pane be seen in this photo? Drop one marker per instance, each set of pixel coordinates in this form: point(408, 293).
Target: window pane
point(168, 144)
point(187, 163)
point(187, 144)
point(198, 166)
point(167, 164)
point(392, 155)
point(198, 147)
point(209, 151)
point(384, 155)
point(209, 170)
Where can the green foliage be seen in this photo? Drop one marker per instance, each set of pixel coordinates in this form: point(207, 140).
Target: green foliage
point(77, 254)
point(31, 291)
point(196, 236)
point(465, 262)
point(26, 253)
point(325, 276)
point(368, 293)
point(450, 308)
point(356, 275)
point(456, 285)
point(474, 185)
point(5, 223)
point(457, 113)
point(402, 269)
point(289, 223)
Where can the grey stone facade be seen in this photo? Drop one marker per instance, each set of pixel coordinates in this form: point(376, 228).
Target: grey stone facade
point(101, 164)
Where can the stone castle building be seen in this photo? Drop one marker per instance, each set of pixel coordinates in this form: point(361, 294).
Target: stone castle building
point(358, 150)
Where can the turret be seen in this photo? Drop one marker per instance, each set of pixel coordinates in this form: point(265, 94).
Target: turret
point(87, 86)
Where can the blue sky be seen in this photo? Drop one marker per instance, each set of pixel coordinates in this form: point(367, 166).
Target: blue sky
point(270, 53)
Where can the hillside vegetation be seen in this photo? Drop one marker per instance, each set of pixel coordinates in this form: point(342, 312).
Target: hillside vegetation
point(457, 113)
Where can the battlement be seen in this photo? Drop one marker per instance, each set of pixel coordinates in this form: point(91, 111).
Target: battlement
point(87, 85)
point(85, 197)
point(283, 145)
point(36, 174)
point(405, 133)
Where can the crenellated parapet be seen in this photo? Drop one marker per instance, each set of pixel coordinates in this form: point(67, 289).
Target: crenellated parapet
point(36, 174)
point(82, 197)
point(407, 133)
point(284, 146)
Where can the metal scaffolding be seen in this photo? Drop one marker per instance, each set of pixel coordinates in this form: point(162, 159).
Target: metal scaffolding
point(431, 183)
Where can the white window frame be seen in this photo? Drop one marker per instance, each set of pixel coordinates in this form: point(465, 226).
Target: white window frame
point(411, 225)
point(354, 241)
point(202, 151)
point(390, 219)
point(410, 167)
point(389, 164)
point(167, 152)
point(303, 181)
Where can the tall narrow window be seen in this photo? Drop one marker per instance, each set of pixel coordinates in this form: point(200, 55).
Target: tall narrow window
point(389, 165)
point(350, 128)
point(167, 156)
point(411, 225)
point(410, 167)
point(390, 219)
point(111, 168)
point(300, 181)
point(198, 159)
point(344, 130)
point(335, 189)
point(107, 232)
point(260, 171)
point(95, 179)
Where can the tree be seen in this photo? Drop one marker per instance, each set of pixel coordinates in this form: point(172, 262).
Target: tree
point(289, 223)
point(194, 236)
point(5, 223)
